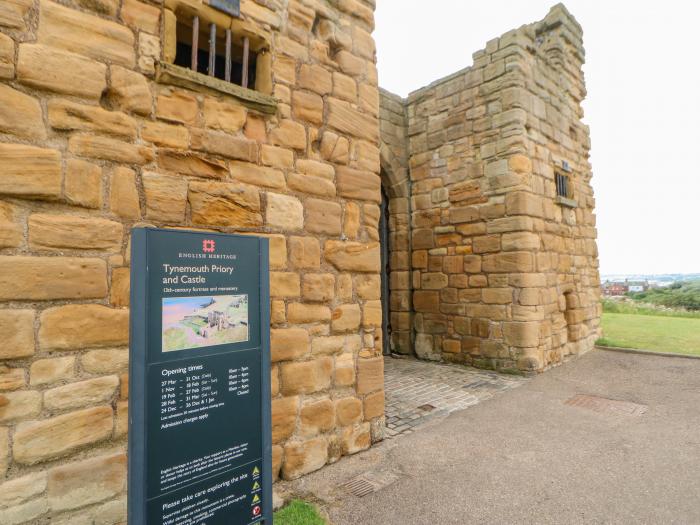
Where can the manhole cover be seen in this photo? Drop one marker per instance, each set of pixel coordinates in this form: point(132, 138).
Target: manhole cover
point(604, 405)
point(369, 482)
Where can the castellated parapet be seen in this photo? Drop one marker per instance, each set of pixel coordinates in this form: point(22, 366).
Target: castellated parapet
point(492, 166)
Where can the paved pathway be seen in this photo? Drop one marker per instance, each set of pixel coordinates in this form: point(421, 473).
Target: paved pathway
point(418, 391)
point(608, 438)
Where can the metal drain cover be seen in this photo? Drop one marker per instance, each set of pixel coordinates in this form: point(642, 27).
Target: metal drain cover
point(609, 406)
point(369, 482)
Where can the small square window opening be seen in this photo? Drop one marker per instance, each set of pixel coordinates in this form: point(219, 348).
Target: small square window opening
point(563, 184)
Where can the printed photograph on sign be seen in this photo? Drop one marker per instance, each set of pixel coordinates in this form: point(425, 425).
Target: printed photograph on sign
point(194, 322)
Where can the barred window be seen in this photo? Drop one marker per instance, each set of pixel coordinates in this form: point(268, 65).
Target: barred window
point(214, 51)
point(563, 185)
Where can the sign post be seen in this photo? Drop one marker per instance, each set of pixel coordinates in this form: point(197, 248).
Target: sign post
point(199, 379)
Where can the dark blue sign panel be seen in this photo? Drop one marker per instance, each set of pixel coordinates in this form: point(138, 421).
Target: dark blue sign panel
point(199, 372)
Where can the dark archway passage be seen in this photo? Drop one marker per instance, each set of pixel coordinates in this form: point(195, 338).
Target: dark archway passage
point(384, 241)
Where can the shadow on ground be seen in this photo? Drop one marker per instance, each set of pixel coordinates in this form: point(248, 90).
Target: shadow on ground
point(526, 456)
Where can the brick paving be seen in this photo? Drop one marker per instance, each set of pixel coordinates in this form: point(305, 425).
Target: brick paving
point(419, 391)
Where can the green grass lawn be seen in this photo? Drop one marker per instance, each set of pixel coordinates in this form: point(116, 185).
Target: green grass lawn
point(298, 512)
point(678, 335)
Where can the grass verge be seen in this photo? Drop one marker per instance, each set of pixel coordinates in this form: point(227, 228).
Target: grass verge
point(298, 512)
point(678, 335)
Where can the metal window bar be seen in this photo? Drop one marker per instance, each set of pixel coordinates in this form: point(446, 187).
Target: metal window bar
point(195, 42)
point(227, 70)
point(212, 49)
point(244, 66)
point(228, 61)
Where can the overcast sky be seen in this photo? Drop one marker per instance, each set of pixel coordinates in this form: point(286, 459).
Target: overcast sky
point(643, 106)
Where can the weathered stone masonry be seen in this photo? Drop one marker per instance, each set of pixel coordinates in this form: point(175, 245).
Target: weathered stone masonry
point(99, 131)
point(503, 273)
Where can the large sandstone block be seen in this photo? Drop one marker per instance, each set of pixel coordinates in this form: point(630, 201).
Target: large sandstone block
point(83, 184)
point(224, 204)
point(97, 147)
point(82, 393)
point(11, 227)
point(348, 120)
point(85, 34)
point(13, 12)
point(318, 287)
point(346, 318)
point(330, 345)
point(348, 411)
point(20, 114)
point(224, 115)
point(304, 457)
point(123, 194)
point(323, 216)
point(370, 375)
point(288, 343)
point(76, 326)
point(37, 441)
point(11, 378)
point(508, 262)
point(68, 115)
point(374, 405)
point(45, 371)
point(21, 404)
point(306, 377)
point(316, 417)
point(285, 284)
point(130, 90)
point(192, 164)
point(284, 212)
point(284, 418)
point(358, 184)
point(257, 175)
point(311, 184)
point(30, 172)
point(141, 16)
point(315, 78)
point(86, 482)
point(289, 134)
point(166, 197)
point(18, 327)
point(45, 278)
point(52, 69)
point(356, 438)
point(300, 313)
point(344, 370)
point(105, 361)
point(352, 256)
point(224, 144)
point(19, 490)
point(304, 252)
point(58, 232)
point(522, 334)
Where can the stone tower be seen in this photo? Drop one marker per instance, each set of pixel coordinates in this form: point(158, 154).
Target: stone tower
point(494, 260)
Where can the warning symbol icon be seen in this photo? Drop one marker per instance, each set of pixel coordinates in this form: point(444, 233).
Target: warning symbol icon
point(256, 471)
point(256, 499)
point(256, 486)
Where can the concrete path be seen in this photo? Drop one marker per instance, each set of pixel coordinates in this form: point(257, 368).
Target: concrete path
point(528, 456)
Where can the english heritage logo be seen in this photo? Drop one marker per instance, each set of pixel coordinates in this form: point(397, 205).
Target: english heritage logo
point(208, 245)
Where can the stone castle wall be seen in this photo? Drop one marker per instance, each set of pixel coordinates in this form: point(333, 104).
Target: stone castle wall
point(503, 274)
point(98, 133)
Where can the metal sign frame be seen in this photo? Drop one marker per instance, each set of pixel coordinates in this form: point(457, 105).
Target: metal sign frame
point(147, 357)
